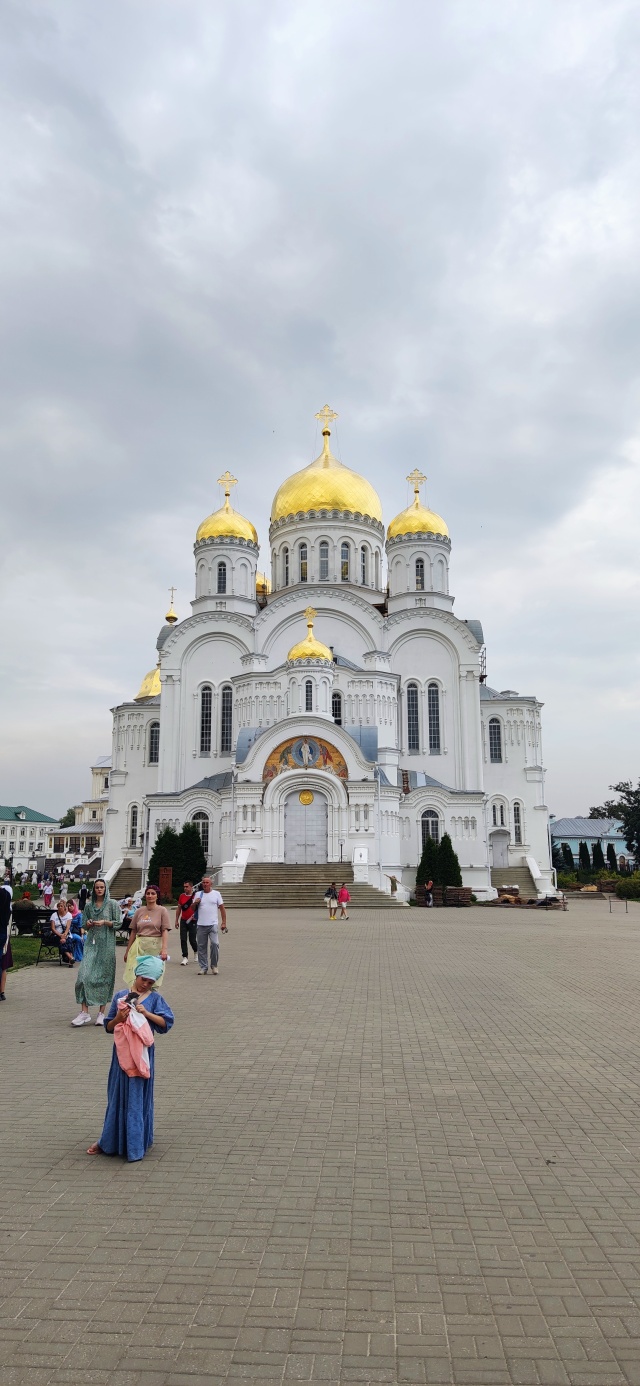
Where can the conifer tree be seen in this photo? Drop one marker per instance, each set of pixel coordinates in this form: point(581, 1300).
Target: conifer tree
point(449, 866)
point(584, 858)
point(612, 860)
point(168, 851)
point(194, 861)
point(429, 868)
point(567, 857)
point(598, 857)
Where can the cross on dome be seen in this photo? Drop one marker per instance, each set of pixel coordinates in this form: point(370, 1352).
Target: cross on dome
point(416, 479)
point(326, 416)
point(227, 480)
point(171, 616)
point(310, 616)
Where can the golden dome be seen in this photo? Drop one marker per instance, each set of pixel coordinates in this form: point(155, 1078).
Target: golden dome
point(310, 648)
point(172, 615)
point(325, 484)
point(417, 519)
point(150, 686)
point(263, 585)
point(227, 523)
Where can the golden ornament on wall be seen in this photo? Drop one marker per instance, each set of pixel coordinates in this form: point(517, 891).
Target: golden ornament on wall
point(306, 797)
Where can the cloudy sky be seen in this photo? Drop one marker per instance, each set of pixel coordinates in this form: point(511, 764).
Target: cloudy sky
point(218, 216)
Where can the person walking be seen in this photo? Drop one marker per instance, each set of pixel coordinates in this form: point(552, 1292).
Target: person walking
point(210, 907)
point(186, 922)
point(343, 900)
point(128, 1122)
point(48, 894)
point(82, 897)
point(6, 957)
point(148, 933)
point(97, 972)
point(331, 899)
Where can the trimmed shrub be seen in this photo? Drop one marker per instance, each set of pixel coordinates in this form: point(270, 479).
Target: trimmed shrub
point(612, 860)
point(429, 868)
point(450, 873)
point(598, 857)
point(628, 888)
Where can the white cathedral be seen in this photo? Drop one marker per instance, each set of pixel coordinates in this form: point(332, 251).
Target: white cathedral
point(337, 712)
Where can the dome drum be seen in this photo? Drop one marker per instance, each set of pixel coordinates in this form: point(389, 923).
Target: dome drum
point(428, 536)
point(225, 540)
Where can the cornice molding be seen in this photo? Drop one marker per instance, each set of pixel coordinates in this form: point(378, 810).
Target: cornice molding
point(345, 516)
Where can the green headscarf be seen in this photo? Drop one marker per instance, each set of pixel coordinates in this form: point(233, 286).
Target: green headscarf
point(108, 909)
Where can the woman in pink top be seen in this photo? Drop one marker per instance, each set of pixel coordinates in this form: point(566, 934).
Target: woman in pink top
point(343, 900)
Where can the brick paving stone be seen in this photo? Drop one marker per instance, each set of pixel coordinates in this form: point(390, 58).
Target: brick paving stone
point(400, 1150)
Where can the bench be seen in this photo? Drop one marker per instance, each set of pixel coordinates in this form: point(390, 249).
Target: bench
point(30, 921)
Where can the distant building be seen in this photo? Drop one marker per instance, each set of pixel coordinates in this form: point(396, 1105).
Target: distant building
point(24, 837)
point(573, 831)
point(81, 844)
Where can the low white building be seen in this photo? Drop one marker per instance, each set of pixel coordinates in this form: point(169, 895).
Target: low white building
point(337, 713)
point(24, 837)
point(80, 845)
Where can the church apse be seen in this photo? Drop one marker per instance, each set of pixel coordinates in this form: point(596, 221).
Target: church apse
point(305, 753)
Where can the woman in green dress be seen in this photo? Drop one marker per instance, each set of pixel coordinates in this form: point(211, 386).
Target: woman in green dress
point(97, 974)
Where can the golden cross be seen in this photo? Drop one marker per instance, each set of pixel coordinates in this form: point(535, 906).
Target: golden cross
point(416, 478)
point(326, 416)
point(172, 591)
point(310, 616)
point(227, 480)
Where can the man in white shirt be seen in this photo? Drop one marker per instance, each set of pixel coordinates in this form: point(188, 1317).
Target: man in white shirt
point(210, 905)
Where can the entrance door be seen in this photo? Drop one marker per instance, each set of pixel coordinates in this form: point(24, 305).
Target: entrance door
point(500, 847)
point(305, 828)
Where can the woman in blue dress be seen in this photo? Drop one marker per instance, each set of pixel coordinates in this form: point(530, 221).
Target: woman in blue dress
point(128, 1122)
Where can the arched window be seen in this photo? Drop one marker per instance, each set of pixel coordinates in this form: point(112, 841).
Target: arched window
point(154, 743)
point(419, 574)
point(364, 566)
point(285, 567)
point(502, 815)
point(433, 702)
point(495, 739)
point(133, 826)
point(324, 561)
point(222, 578)
point(494, 816)
point(413, 718)
point(226, 721)
point(201, 822)
point(517, 823)
point(336, 708)
point(344, 562)
point(206, 697)
point(308, 696)
point(430, 826)
point(303, 563)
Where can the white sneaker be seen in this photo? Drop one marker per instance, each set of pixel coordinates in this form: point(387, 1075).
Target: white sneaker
point(82, 1019)
point(184, 962)
point(202, 972)
point(215, 971)
point(99, 1018)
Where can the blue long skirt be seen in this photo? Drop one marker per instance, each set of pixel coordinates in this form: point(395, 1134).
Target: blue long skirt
point(128, 1122)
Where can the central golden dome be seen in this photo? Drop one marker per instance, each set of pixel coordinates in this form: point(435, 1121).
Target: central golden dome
point(325, 484)
point(310, 648)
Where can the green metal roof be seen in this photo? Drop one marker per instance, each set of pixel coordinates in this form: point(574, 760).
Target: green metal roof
point(12, 814)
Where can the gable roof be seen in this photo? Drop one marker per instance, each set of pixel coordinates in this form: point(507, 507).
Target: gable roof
point(12, 814)
point(586, 827)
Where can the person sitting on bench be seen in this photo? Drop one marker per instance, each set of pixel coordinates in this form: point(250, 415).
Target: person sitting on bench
point(60, 926)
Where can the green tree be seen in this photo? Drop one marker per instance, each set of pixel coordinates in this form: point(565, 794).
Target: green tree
point(598, 857)
point(168, 851)
point(194, 861)
point(450, 874)
point(612, 860)
point(584, 858)
point(567, 856)
point(609, 809)
point(628, 811)
point(557, 858)
point(69, 819)
point(429, 868)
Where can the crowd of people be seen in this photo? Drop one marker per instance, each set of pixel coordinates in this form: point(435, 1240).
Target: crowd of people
point(84, 931)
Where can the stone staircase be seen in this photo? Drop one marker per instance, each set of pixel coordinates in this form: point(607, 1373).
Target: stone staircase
point(126, 881)
point(515, 876)
point(272, 885)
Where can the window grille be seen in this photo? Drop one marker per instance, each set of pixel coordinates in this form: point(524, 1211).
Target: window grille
point(285, 567)
point(154, 743)
point(495, 740)
point(413, 719)
point(222, 577)
point(206, 698)
point(226, 721)
point(304, 566)
point(363, 566)
point(494, 816)
point(517, 823)
point(344, 563)
point(336, 708)
point(430, 826)
point(433, 701)
point(324, 562)
point(201, 822)
point(419, 574)
point(133, 828)
point(502, 815)
point(308, 696)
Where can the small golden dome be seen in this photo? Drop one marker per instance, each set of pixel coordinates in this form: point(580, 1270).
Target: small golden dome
point(310, 648)
point(325, 484)
point(263, 585)
point(150, 686)
point(417, 519)
point(227, 523)
point(172, 615)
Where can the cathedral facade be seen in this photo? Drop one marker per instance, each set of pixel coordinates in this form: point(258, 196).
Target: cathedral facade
point(334, 712)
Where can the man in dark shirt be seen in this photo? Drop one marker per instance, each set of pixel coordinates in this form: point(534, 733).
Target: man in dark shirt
point(185, 921)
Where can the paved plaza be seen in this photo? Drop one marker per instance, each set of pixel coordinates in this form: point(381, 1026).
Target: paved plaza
point(402, 1149)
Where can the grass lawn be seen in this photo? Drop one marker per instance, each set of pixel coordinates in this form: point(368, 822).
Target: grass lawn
point(25, 950)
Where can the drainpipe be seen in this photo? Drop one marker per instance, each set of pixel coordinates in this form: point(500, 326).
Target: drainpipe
point(380, 881)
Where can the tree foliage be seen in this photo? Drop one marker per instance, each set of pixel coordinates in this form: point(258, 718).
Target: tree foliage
point(168, 851)
point(598, 857)
point(429, 868)
point(628, 811)
point(567, 857)
point(450, 874)
point(612, 860)
point(194, 861)
point(584, 857)
point(69, 819)
point(609, 809)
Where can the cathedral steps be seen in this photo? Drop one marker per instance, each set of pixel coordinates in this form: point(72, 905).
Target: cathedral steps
point(273, 885)
point(126, 881)
point(515, 876)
